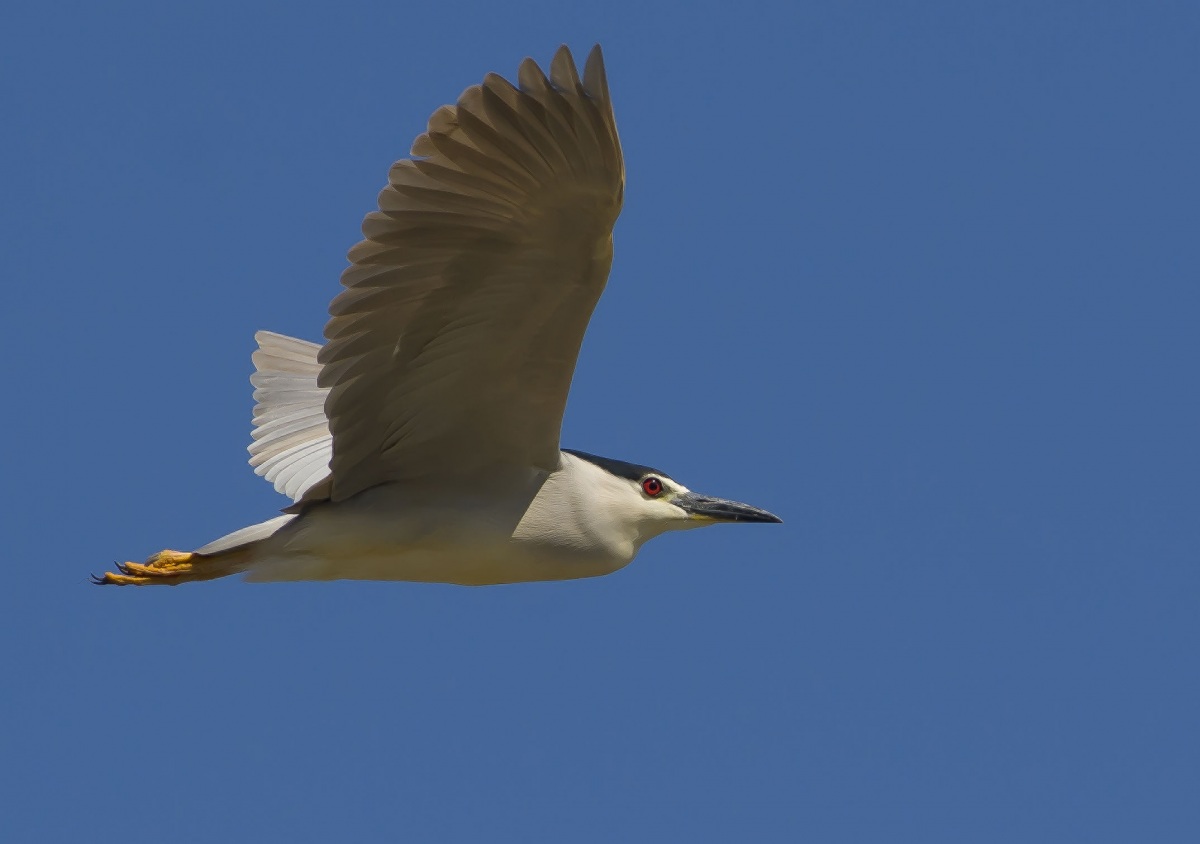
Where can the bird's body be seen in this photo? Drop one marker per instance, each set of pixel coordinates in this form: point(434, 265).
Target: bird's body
point(421, 441)
point(539, 526)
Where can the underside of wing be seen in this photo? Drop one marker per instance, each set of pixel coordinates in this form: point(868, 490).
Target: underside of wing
point(292, 444)
point(453, 346)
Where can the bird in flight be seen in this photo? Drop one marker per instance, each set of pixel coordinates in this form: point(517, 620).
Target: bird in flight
point(421, 441)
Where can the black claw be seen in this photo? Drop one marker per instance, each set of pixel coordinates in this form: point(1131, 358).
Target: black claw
point(98, 581)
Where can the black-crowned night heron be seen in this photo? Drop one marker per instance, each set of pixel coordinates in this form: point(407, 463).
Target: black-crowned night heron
point(421, 441)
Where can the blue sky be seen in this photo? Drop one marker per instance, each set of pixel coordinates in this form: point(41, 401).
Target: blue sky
point(921, 278)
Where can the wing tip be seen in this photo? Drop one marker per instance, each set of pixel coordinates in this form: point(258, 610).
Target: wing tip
point(563, 73)
point(595, 78)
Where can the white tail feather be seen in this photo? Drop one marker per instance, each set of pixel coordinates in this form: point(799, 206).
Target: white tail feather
point(245, 536)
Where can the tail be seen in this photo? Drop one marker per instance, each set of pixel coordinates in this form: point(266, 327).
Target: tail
point(231, 554)
point(291, 449)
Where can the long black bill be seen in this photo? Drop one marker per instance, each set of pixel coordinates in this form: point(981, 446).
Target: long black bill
point(721, 510)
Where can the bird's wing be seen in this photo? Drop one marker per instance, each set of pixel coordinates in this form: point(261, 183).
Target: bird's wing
point(452, 347)
point(292, 445)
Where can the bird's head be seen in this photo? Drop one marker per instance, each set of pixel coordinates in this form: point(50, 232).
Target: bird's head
point(656, 502)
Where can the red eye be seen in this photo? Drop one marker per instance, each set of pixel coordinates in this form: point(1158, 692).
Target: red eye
point(652, 486)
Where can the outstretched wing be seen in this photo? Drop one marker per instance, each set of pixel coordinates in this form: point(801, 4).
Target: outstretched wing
point(453, 346)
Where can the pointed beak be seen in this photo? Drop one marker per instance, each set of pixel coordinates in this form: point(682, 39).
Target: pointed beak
point(720, 510)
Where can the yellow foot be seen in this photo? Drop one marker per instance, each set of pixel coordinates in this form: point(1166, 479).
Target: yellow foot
point(166, 567)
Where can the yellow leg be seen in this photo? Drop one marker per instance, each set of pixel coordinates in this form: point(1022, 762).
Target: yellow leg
point(167, 568)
